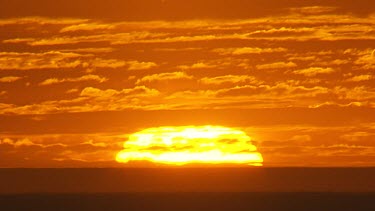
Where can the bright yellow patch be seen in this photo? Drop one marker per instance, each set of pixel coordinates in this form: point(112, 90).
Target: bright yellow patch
point(190, 144)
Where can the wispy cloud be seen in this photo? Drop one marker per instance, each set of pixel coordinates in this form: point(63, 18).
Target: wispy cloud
point(313, 71)
point(61, 59)
point(164, 77)
point(276, 65)
point(51, 81)
point(247, 50)
point(9, 79)
point(234, 79)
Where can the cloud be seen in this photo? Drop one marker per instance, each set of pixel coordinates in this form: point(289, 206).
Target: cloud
point(301, 138)
point(18, 40)
point(138, 91)
point(302, 58)
point(177, 49)
point(283, 31)
point(358, 137)
point(164, 77)
point(343, 150)
point(105, 63)
point(198, 65)
point(338, 105)
point(91, 99)
point(229, 79)
point(313, 71)
point(95, 144)
point(357, 93)
point(278, 91)
point(25, 142)
point(181, 39)
point(276, 65)
point(115, 63)
point(366, 59)
point(336, 62)
point(61, 59)
point(9, 79)
point(136, 65)
point(251, 94)
point(51, 81)
point(247, 50)
point(45, 150)
point(293, 26)
point(112, 38)
point(247, 96)
point(88, 27)
point(359, 78)
point(89, 50)
point(313, 10)
point(72, 91)
point(230, 61)
point(41, 21)
point(46, 60)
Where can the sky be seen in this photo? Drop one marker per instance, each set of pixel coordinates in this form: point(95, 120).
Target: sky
point(77, 78)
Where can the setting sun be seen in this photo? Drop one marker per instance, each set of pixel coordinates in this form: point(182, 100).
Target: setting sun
point(190, 144)
point(187, 105)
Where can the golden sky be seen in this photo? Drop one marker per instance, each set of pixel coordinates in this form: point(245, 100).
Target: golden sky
point(77, 78)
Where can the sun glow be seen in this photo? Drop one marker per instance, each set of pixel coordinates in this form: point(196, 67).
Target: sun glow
point(190, 144)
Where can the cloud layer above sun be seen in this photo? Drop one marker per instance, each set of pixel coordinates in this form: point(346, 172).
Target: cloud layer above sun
point(306, 57)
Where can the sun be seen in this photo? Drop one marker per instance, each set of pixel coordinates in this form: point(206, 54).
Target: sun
point(182, 145)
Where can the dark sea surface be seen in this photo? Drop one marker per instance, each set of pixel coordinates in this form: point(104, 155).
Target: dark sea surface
point(190, 201)
point(188, 189)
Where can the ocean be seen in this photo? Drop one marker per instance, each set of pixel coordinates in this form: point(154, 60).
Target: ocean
point(188, 189)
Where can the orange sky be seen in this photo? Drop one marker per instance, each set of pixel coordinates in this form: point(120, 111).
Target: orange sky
point(76, 79)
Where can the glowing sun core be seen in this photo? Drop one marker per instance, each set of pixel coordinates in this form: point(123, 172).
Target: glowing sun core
point(190, 144)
